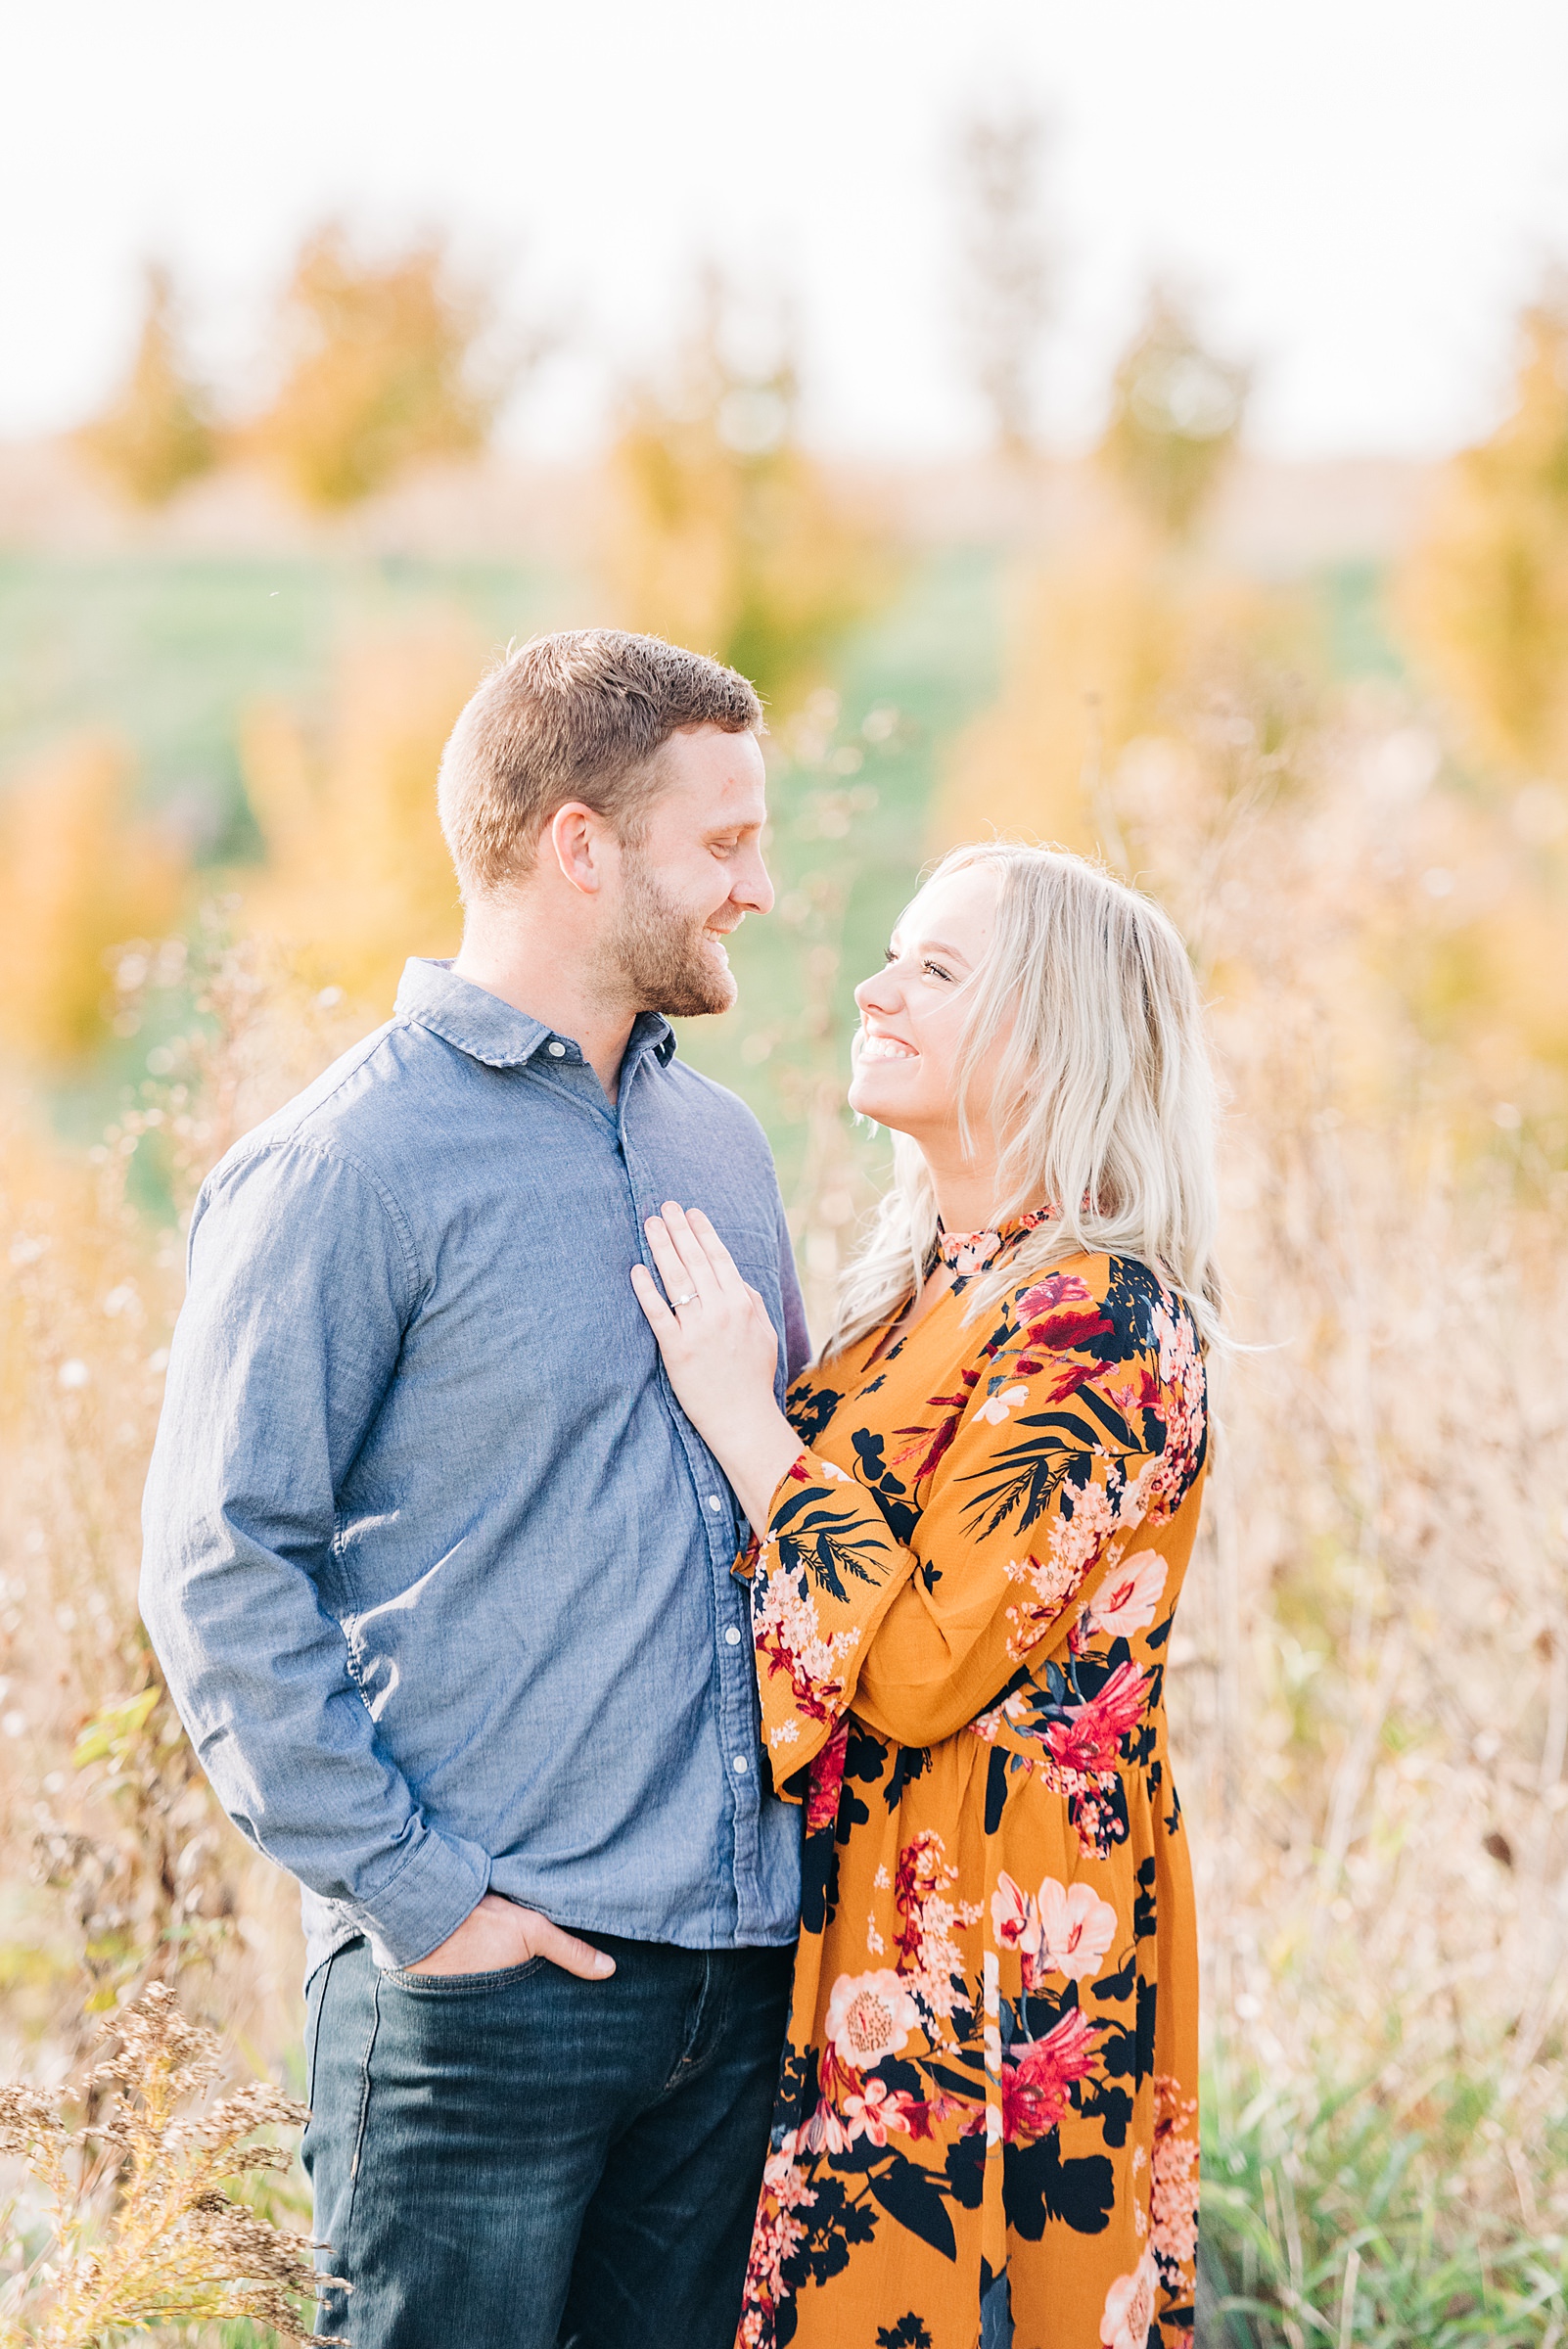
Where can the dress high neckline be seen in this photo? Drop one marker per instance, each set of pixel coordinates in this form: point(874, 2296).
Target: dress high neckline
point(966, 1253)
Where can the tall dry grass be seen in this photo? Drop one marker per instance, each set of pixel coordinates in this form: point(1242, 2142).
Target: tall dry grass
point(1371, 1686)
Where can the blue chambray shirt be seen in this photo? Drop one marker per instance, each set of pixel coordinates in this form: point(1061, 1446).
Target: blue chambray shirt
point(436, 1568)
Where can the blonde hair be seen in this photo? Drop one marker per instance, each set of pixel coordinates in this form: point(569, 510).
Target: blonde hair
point(1104, 1100)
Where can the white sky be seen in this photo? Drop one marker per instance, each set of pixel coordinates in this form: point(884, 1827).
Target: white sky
point(1359, 191)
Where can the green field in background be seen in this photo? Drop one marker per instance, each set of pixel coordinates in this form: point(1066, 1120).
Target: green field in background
point(168, 652)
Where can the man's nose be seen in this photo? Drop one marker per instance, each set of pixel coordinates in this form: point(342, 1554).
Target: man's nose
point(750, 887)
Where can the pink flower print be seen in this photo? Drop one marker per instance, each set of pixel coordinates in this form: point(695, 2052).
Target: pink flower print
point(1088, 1739)
point(1130, 2308)
point(968, 1251)
point(875, 2111)
point(869, 2016)
point(1173, 2176)
point(1076, 1929)
point(1035, 2087)
point(997, 1407)
point(825, 1781)
point(1014, 1917)
point(825, 2132)
point(1129, 1598)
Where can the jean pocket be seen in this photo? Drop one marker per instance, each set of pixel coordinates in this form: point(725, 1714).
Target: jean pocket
point(454, 1986)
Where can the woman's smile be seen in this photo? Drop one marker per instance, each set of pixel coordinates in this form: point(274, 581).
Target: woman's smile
point(874, 1046)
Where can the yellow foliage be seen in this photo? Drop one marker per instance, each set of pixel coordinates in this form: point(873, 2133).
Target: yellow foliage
point(1113, 644)
point(357, 876)
point(79, 871)
point(1175, 416)
point(156, 435)
point(1485, 596)
point(724, 536)
point(381, 373)
point(1155, 715)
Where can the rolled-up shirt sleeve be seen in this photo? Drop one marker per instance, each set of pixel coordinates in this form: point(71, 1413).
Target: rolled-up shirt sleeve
point(304, 1278)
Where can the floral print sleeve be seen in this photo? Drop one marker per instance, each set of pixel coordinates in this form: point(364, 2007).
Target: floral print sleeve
point(825, 1569)
point(922, 1575)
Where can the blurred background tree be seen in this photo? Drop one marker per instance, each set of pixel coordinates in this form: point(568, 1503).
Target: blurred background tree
point(356, 876)
point(157, 432)
point(1126, 643)
point(382, 370)
point(723, 532)
point(1485, 598)
point(1007, 260)
point(1176, 418)
point(80, 870)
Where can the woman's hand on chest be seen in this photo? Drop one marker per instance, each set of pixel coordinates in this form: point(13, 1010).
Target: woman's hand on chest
point(721, 1352)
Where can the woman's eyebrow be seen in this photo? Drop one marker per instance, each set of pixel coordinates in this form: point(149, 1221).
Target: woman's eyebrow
point(935, 946)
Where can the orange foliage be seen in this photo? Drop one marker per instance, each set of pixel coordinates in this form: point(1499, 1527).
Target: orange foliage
point(1485, 598)
point(725, 534)
point(79, 870)
point(157, 434)
point(381, 371)
point(357, 876)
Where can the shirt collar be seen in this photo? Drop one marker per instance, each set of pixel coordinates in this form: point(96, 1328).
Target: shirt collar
point(432, 996)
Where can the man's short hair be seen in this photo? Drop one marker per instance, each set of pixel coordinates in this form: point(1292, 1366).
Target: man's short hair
point(581, 715)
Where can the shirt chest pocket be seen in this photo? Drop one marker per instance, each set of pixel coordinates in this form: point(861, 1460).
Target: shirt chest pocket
point(755, 1254)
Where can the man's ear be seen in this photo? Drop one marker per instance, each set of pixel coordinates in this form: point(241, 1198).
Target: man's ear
point(582, 843)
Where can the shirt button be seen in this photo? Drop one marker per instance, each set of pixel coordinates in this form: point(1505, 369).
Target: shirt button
point(740, 1766)
point(556, 1051)
point(714, 1501)
point(732, 1636)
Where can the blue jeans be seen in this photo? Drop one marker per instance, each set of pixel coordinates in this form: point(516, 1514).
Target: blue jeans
point(521, 2160)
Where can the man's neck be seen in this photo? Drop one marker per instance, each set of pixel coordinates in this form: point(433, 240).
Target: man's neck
point(546, 978)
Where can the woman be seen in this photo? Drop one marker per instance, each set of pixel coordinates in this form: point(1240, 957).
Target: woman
point(972, 1529)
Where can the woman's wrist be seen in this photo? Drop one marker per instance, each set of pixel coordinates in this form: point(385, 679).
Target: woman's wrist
point(754, 1455)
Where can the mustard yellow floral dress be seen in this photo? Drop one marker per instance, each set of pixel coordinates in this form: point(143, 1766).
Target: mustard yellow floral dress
point(961, 1604)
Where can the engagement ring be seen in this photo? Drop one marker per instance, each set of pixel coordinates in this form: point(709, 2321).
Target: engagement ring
point(689, 1299)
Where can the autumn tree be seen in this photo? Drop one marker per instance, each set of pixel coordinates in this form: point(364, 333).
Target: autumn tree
point(1175, 417)
point(157, 434)
point(1485, 596)
point(723, 533)
point(381, 370)
point(356, 875)
point(80, 870)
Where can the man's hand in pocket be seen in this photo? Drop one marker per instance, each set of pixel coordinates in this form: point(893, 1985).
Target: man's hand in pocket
point(498, 1934)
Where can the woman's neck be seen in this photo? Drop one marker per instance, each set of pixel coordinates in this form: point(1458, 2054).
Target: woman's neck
point(965, 1189)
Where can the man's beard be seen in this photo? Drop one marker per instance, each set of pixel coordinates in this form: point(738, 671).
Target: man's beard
point(661, 956)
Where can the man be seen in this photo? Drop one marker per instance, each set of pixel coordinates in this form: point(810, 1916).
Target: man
point(438, 1572)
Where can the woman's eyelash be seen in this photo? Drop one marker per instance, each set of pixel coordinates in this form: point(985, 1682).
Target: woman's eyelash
point(888, 955)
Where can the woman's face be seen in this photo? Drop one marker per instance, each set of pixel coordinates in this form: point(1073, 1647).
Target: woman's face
point(913, 1011)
